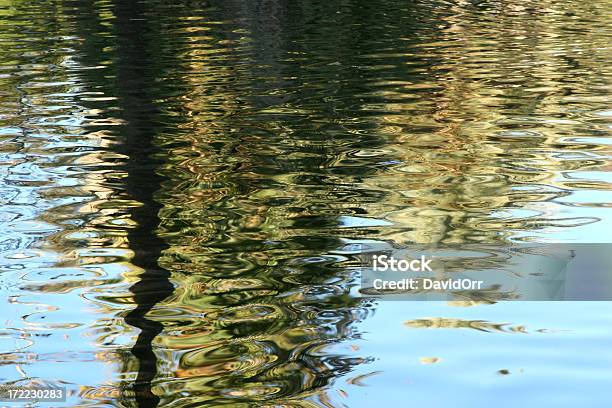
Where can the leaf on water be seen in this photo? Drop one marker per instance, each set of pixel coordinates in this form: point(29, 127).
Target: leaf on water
point(430, 360)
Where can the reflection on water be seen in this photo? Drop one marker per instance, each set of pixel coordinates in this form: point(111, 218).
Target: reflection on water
point(185, 189)
point(442, 323)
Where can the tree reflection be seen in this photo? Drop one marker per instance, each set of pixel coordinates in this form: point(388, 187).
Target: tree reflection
point(133, 84)
point(262, 139)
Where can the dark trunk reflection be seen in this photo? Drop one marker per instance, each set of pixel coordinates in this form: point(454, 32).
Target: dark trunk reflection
point(134, 83)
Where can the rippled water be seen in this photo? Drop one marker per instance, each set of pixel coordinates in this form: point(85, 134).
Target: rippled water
point(185, 189)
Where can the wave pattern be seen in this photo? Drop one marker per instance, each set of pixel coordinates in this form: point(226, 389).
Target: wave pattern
point(186, 187)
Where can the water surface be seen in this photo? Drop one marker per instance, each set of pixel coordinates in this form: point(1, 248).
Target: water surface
point(186, 187)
